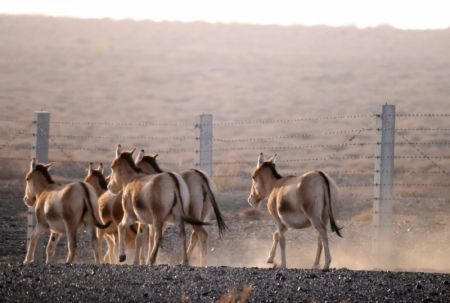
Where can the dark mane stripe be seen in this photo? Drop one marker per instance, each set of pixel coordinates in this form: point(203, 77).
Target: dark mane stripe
point(271, 166)
point(152, 162)
point(43, 170)
point(88, 203)
point(101, 179)
point(177, 192)
point(129, 159)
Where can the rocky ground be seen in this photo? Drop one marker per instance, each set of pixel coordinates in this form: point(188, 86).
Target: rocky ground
point(106, 283)
point(416, 270)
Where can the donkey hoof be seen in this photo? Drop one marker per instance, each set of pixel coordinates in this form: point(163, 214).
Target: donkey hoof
point(276, 265)
point(122, 258)
point(270, 261)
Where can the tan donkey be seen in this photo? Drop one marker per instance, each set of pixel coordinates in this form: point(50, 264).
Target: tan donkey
point(62, 209)
point(295, 202)
point(110, 207)
point(149, 199)
point(201, 199)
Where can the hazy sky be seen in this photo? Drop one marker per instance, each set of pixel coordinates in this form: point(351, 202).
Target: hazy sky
point(407, 14)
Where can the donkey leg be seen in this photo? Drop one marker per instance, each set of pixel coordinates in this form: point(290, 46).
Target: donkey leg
point(318, 253)
point(51, 246)
point(276, 237)
point(111, 252)
point(282, 240)
point(151, 243)
point(143, 256)
point(157, 226)
point(192, 243)
point(324, 239)
point(122, 228)
point(100, 237)
point(95, 245)
point(203, 237)
point(140, 237)
point(183, 242)
point(34, 239)
point(71, 232)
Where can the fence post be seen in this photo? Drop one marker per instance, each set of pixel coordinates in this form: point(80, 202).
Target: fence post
point(384, 175)
point(204, 144)
point(39, 150)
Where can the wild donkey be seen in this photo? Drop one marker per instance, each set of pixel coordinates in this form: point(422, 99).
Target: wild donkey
point(201, 191)
point(110, 207)
point(149, 199)
point(60, 209)
point(296, 202)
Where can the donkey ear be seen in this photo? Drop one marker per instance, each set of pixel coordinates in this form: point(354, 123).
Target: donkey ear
point(155, 155)
point(118, 150)
point(33, 164)
point(139, 157)
point(100, 167)
point(260, 160)
point(273, 158)
point(48, 166)
point(90, 168)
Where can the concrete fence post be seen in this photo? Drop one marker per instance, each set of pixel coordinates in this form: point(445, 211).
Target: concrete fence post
point(204, 143)
point(39, 150)
point(384, 175)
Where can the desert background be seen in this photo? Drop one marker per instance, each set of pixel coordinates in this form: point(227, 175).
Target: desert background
point(142, 84)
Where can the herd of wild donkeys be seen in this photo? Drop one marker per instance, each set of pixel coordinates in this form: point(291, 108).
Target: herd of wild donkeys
point(131, 208)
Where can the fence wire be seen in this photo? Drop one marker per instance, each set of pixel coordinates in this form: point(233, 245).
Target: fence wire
point(355, 147)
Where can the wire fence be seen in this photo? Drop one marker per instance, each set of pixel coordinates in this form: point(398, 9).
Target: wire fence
point(342, 145)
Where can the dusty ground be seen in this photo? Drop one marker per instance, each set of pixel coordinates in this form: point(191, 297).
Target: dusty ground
point(87, 283)
point(236, 262)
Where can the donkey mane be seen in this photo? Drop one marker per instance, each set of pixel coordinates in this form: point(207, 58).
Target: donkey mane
point(129, 159)
point(43, 170)
point(101, 179)
point(152, 162)
point(271, 166)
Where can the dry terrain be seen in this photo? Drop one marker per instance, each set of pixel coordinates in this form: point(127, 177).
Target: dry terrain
point(308, 93)
point(236, 268)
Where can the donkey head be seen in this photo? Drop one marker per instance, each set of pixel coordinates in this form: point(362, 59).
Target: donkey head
point(96, 178)
point(122, 169)
point(147, 164)
point(261, 177)
point(36, 179)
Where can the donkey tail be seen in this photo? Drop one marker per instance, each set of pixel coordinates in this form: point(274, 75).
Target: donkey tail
point(193, 221)
point(212, 198)
point(178, 197)
point(88, 203)
point(329, 203)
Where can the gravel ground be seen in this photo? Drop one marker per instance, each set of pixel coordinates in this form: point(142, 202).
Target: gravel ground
point(420, 246)
point(123, 283)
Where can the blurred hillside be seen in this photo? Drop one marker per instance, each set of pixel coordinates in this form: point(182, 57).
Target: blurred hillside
point(127, 70)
